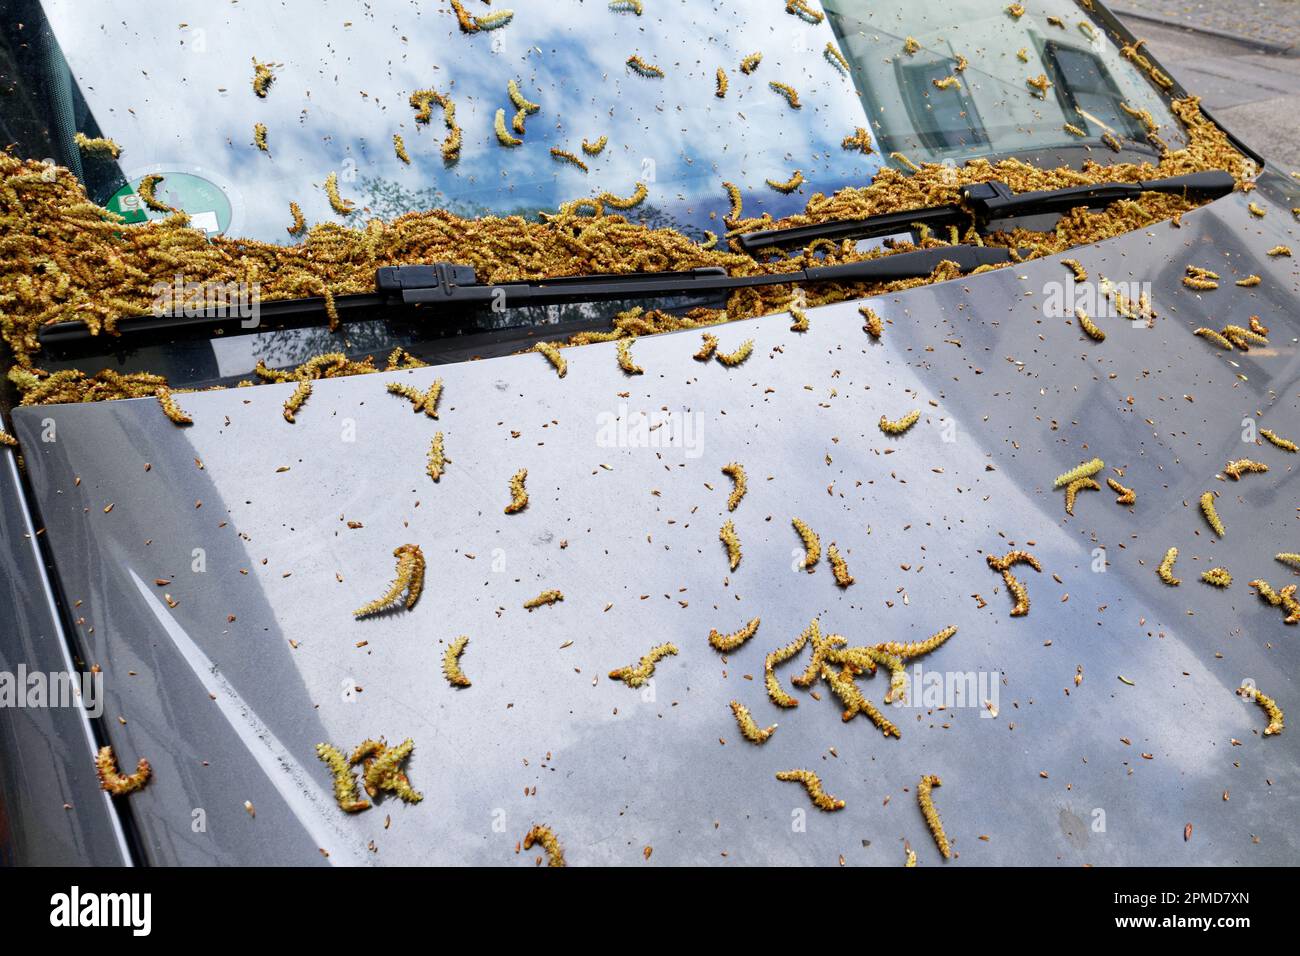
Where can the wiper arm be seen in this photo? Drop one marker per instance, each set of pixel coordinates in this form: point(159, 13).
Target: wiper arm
point(446, 284)
point(983, 203)
point(456, 287)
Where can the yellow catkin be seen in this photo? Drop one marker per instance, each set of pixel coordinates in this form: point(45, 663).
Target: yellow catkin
point(789, 185)
point(1276, 719)
point(119, 784)
point(1290, 604)
point(96, 146)
point(567, 157)
point(788, 93)
point(1276, 439)
point(1085, 470)
point(7, 440)
point(1280, 251)
point(820, 647)
point(451, 663)
point(1249, 282)
point(299, 224)
point(1219, 577)
point(1266, 592)
point(542, 835)
point(1244, 466)
point(947, 83)
point(170, 408)
point(345, 782)
point(399, 149)
point(708, 349)
point(409, 580)
point(644, 68)
point(1073, 489)
point(294, 403)
point(732, 359)
point(1011, 559)
point(748, 728)
point(800, 323)
point(343, 207)
point(1243, 338)
point(1019, 592)
point(503, 135)
point(259, 137)
point(860, 140)
point(596, 148)
point(910, 45)
point(625, 360)
point(813, 784)
point(931, 815)
point(839, 567)
point(874, 326)
point(731, 642)
point(1127, 496)
point(736, 472)
point(1288, 558)
point(554, 356)
point(731, 540)
point(841, 683)
point(812, 544)
point(544, 599)
point(637, 675)
point(737, 202)
point(437, 458)
point(1166, 569)
point(900, 426)
point(1088, 326)
point(779, 656)
point(750, 63)
point(147, 191)
point(721, 84)
point(1214, 337)
point(1211, 515)
point(263, 77)
point(383, 769)
point(918, 648)
point(518, 493)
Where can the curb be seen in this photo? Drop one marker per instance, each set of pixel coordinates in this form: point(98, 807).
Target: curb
point(1266, 46)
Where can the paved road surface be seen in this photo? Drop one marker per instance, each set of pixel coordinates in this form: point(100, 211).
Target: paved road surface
point(1254, 93)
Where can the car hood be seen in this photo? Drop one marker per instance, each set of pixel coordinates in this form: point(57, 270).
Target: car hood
point(212, 571)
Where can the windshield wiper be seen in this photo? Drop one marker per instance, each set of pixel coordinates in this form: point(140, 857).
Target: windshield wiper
point(983, 203)
point(456, 287)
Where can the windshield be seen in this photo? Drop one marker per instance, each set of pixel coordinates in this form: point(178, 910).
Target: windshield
point(931, 81)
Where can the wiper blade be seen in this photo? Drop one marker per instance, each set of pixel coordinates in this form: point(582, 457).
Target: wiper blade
point(456, 287)
point(983, 203)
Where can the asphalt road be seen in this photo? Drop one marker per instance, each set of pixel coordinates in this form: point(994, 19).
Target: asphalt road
point(1253, 92)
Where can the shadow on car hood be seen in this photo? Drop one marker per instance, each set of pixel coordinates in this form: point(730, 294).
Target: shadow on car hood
point(228, 673)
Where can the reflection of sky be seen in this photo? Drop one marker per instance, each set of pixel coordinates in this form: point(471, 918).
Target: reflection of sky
point(342, 93)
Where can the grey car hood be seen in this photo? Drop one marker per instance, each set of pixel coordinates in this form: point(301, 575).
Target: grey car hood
point(246, 517)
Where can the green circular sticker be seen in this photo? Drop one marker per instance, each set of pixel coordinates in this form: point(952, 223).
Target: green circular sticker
point(204, 200)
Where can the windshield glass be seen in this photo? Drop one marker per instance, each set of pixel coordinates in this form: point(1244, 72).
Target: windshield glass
point(931, 81)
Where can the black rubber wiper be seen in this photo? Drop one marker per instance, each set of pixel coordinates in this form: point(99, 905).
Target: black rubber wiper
point(983, 203)
point(456, 287)
point(444, 284)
